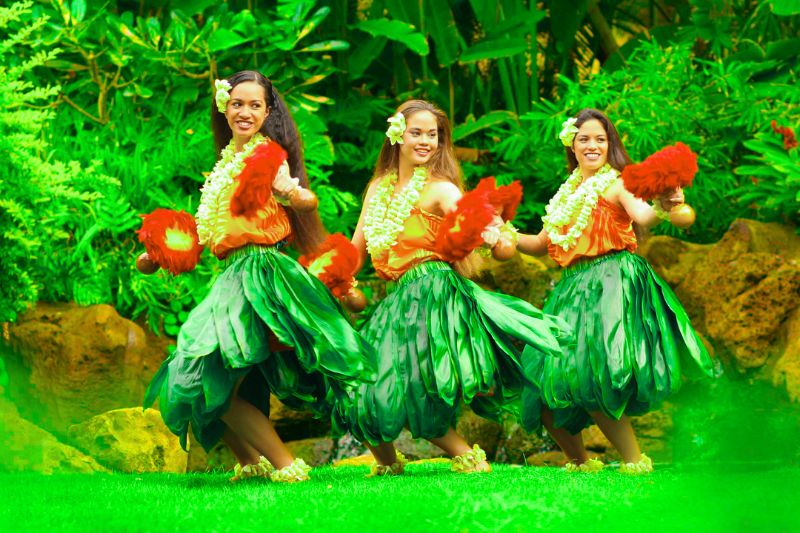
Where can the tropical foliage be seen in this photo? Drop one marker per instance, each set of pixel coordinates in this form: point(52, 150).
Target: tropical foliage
point(112, 120)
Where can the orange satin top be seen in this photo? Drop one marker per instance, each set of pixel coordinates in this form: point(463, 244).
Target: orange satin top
point(269, 226)
point(609, 229)
point(414, 245)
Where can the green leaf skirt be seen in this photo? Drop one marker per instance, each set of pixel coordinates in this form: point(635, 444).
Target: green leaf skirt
point(227, 336)
point(632, 341)
point(441, 339)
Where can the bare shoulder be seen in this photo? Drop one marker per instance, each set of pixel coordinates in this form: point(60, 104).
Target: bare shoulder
point(439, 196)
point(614, 191)
point(443, 186)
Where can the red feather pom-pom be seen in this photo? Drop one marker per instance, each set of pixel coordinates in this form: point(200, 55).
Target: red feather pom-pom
point(665, 170)
point(505, 198)
point(170, 238)
point(255, 180)
point(334, 263)
point(460, 231)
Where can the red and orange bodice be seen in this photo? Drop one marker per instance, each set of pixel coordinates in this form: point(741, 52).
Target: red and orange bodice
point(269, 225)
point(415, 245)
point(609, 229)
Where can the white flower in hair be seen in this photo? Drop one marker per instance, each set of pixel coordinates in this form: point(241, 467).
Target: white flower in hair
point(568, 131)
point(397, 126)
point(223, 94)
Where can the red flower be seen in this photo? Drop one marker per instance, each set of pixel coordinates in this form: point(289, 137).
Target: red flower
point(334, 263)
point(665, 170)
point(505, 199)
point(255, 180)
point(170, 238)
point(460, 231)
point(789, 140)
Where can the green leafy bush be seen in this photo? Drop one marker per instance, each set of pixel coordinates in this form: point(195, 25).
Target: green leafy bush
point(41, 196)
point(663, 95)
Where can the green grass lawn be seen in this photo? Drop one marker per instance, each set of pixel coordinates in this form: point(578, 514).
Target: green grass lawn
point(428, 498)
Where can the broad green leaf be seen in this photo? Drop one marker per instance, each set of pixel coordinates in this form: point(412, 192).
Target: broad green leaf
point(486, 12)
point(396, 31)
point(364, 55)
point(194, 7)
point(565, 19)
point(785, 8)
point(78, 10)
point(519, 25)
point(327, 46)
point(244, 22)
point(494, 49)
point(490, 119)
point(125, 30)
point(223, 39)
point(783, 49)
point(311, 25)
point(441, 26)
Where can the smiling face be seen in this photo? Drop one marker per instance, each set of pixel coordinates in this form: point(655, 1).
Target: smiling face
point(247, 110)
point(591, 146)
point(421, 138)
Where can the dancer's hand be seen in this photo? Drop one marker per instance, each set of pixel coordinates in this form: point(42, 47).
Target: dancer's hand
point(283, 185)
point(491, 234)
point(670, 199)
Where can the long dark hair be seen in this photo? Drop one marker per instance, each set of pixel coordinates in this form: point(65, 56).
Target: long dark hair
point(617, 156)
point(443, 162)
point(307, 229)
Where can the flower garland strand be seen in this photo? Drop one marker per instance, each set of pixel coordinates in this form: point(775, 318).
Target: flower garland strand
point(225, 171)
point(574, 203)
point(386, 216)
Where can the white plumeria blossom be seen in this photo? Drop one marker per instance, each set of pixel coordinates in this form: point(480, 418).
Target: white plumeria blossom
point(223, 94)
point(568, 131)
point(574, 203)
point(397, 126)
point(217, 184)
point(386, 216)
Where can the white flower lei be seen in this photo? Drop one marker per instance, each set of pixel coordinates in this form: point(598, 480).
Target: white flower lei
point(386, 216)
point(225, 171)
point(574, 203)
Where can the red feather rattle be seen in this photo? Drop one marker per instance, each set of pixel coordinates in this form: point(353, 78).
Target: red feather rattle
point(256, 179)
point(668, 169)
point(461, 230)
point(334, 263)
point(170, 238)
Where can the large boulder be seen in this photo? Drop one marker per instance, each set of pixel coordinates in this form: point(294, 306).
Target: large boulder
point(130, 440)
point(293, 424)
point(415, 449)
point(516, 444)
point(740, 291)
point(522, 276)
point(315, 452)
point(220, 458)
point(28, 448)
point(480, 431)
point(70, 363)
point(787, 370)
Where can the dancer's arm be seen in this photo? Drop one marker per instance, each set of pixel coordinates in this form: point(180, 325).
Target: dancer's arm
point(640, 211)
point(533, 244)
point(443, 196)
